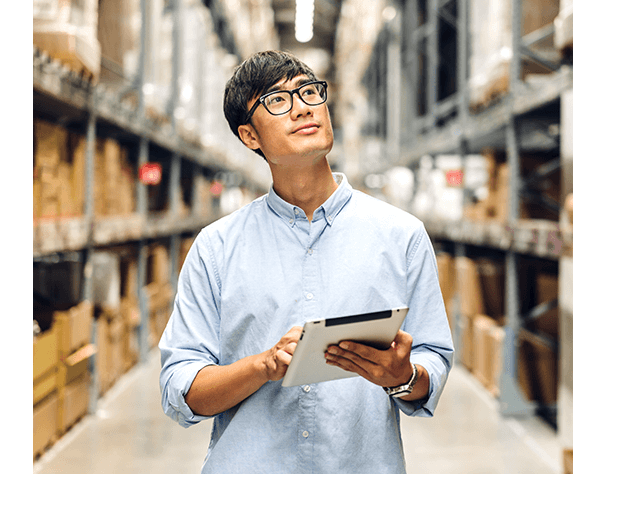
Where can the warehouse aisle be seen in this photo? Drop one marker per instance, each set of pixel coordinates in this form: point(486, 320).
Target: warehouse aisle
point(130, 434)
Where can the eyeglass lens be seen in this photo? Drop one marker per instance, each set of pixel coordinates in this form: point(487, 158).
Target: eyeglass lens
point(281, 102)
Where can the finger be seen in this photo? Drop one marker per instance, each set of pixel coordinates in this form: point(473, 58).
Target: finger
point(294, 334)
point(290, 347)
point(349, 360)
point(404, 340)
point(283, 357)
point(346, 364)
point(364, 351)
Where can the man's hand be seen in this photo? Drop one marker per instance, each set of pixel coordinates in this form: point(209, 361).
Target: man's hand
point(389, 368)
point(276, 359)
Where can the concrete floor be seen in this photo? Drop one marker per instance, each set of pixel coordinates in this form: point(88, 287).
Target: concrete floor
point(130, 434)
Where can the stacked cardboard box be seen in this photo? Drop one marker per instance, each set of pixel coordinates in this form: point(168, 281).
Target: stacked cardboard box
point(67, 31)
point(495, 206)
point(114, 182)
point(117, 342)
point(480, 287)
point(491, 46)
point(58, 171)
point(61, 378)
point(115, 277)
point(158, 292)
point(446, 274)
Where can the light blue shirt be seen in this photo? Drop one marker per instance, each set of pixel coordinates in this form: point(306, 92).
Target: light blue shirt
point(251, 276)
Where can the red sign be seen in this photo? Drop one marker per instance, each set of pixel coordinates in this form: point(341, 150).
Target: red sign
point(150, 173)
point(216, 189)
point(454, 177)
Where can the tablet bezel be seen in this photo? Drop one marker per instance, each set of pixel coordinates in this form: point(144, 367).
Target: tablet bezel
point(376, 329)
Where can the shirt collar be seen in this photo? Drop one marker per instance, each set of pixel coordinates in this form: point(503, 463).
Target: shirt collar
point(329, 209)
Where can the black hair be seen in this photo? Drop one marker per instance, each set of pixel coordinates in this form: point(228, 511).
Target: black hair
point(253, 77)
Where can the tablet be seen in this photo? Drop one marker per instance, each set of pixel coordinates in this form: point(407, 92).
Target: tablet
point(308, 365)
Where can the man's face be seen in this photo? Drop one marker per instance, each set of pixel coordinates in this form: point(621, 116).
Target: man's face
point(304, 132)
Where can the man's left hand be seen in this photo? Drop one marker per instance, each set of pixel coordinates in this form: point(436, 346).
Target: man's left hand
point(389, 368)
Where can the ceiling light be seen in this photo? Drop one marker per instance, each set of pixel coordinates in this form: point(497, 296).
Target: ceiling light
point(304, 20)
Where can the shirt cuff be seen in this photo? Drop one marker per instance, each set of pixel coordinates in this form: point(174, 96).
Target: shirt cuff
point(438, 373)
point(179, 384)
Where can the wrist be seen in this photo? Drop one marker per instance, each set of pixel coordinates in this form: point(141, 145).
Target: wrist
point(406, 387)
point(261, 368)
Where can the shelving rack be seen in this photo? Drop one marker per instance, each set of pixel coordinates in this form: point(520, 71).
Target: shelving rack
point(433, 117)
point(70, 100)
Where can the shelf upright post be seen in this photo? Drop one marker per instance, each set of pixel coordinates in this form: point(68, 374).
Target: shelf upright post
point(88, 288)
point(141, 198)
point(142, 209)
point(174, 205)
point(432, 57)
point(511, 399)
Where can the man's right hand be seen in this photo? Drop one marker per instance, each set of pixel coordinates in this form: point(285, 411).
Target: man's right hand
point(217, 388)
point(277, 358)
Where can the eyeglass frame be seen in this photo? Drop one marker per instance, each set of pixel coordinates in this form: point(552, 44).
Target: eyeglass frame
point(292, 98)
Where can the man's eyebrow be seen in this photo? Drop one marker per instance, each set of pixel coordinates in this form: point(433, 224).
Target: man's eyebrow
point(277, 86)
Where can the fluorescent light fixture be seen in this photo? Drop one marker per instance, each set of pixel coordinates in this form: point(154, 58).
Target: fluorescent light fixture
point(304, 20)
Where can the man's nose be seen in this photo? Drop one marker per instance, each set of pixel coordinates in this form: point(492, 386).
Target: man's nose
point(301, 106)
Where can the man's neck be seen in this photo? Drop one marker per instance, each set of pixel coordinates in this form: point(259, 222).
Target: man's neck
point(307, 186)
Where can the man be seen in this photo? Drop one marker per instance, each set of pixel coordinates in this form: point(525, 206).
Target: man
point(311, 248)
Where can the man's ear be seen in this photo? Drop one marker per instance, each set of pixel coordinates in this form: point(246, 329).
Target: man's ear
point(249, 136)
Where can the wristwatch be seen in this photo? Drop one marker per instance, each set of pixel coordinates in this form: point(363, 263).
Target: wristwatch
point(405, 389)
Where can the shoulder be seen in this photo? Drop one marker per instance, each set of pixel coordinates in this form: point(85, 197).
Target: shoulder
point(383, 213)
point(228, 225)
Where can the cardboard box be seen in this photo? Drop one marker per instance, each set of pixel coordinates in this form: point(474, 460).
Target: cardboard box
point(44, 385)
point(58, 174)
point(75, 365)
point(568, 461)
point(492, 281)
point(73, 402)
point(468, 287)
point(110, 349)
point(158, 271)
point(69, 330)
point(45, 352)
point(538, 369)
point(495, 344)
point(446, 274)
point(44, 424)
point(75, 327)
point(482, 361)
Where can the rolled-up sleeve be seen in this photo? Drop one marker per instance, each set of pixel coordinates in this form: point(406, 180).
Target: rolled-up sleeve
point(427, 323)
point(190, 340)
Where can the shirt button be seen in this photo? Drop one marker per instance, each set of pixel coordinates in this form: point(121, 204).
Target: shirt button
point(306, 388)
point(309, 251)
point(296, 211)
point(309, 296)
point(306, 433)
point(290, 221)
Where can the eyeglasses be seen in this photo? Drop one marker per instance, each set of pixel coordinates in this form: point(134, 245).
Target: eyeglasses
point(280, 101)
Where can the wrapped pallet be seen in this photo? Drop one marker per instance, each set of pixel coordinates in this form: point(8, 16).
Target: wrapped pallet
point(67, 31)
point(564, 26)
point(490, 23)
point(158, 59)
point(119, 33)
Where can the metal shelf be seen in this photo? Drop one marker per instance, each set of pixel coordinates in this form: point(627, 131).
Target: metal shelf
point(64, 97)
point(72, 234)
point(59, 93)
point(527, 118)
